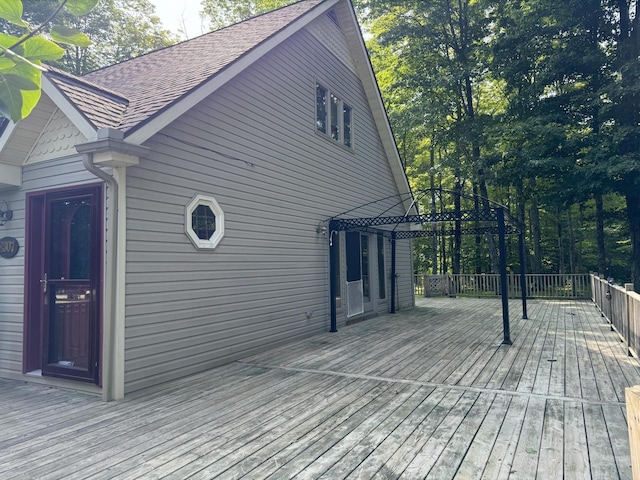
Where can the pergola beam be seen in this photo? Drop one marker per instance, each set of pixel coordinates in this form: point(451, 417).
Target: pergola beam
point(343, 224)
point(502, 224)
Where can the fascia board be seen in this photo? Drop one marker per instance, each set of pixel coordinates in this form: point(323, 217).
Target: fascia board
point(68, 108)
point(147, 130)
point(6, 135)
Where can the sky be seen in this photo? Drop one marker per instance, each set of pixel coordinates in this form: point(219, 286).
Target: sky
point(180, 14)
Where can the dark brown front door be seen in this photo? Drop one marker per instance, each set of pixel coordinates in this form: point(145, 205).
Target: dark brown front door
point(67, 299)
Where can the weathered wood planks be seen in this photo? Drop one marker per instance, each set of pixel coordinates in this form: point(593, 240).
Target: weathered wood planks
point(427, 393)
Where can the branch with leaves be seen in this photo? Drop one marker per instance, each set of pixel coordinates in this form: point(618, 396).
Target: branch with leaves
point(21, 57)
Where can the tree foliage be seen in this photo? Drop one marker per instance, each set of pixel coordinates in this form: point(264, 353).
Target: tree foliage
point(221, 13)
point(22, 54)
point(533, 103)
point(93, 35)
point(117, 29)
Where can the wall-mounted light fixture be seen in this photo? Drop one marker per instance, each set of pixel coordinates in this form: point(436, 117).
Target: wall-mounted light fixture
point(321, 229)
point(5, 213)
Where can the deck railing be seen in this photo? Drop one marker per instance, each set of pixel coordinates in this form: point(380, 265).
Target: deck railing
point(482, 285)
point(621, 307)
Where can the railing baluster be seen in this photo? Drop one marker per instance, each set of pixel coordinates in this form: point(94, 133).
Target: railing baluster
point(538, 285)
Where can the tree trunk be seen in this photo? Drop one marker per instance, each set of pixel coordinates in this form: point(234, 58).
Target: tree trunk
point(572, 242)
point(536, 235)
point(478, 245)
point(520, 213)
point(560, 240)
point(493, 248)
point(457, 235)
point(602, 259)
point(434, 239)
point(443, 241)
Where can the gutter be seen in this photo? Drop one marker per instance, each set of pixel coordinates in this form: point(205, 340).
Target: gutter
point(110, 150)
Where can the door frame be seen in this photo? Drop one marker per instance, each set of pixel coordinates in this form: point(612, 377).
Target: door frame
point(34, 322)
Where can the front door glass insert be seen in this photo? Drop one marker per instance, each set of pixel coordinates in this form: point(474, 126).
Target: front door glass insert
point(69, 286)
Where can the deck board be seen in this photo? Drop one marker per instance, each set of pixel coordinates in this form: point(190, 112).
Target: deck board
point(426, 393)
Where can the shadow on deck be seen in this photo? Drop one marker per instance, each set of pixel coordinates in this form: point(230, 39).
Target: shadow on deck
point(429, 392)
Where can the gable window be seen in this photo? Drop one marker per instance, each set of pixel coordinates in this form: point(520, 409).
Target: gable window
point(335, 119)
point(204, 222)
point(333, 116)
point(321, 108)
point(346, 125)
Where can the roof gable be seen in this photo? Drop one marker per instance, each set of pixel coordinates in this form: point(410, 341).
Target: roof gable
point(45, 134)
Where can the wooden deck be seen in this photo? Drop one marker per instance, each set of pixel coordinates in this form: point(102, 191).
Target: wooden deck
point(425, 393)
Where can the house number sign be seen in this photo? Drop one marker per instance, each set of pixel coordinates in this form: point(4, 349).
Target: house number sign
point(8, 247)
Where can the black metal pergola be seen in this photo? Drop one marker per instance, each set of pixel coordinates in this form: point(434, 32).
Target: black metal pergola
point(490, 219)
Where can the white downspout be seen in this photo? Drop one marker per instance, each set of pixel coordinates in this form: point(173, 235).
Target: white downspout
point(110, 150)
point(118, 335)
point(110, 307)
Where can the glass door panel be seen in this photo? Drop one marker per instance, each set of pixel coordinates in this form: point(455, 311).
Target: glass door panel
point(70, 283)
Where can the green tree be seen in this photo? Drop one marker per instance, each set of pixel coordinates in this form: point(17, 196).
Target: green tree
point(220, 13)
point(440, 48)
point(21, 55)
point(551, 60)
point(118, 30)
point(624, 131)
point(94, 34)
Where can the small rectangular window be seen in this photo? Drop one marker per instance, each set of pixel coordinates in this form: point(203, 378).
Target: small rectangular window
point(321, 108)
point(335, 120)
point(334, 117)
point(346, 124)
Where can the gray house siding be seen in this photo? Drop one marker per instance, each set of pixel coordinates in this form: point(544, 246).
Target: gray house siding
point(38, 176)
point(253, 146)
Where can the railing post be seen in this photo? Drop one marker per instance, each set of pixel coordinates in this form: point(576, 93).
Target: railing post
point(632, 398)
point(393, 272)
point(628, 287)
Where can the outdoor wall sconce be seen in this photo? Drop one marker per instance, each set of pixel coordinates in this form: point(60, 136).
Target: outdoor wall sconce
point(321, 229)
point(5, 213)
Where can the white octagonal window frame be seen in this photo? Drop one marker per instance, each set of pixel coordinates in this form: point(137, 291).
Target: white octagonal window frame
point(211, 242)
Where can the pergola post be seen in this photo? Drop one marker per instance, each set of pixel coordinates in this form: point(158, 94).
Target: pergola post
point(393, 272)
point(333, 257)
point(503, 276)
point(523, 276)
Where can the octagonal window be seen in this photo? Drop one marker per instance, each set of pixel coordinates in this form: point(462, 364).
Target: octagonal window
point(204, 222)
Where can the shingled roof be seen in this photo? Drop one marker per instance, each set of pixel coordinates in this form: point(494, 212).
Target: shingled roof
point(101, 106)
point(127, 94)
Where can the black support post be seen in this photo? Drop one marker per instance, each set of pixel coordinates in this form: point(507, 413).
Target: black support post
point(333, 258)
point(523, 277)
point(393, 272)
point(504, 293)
